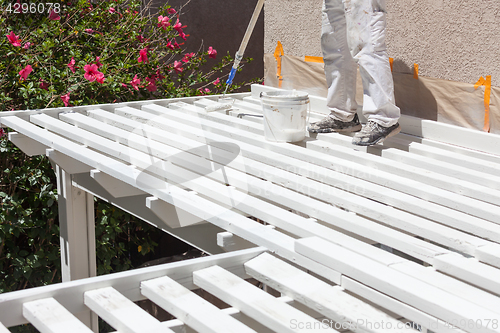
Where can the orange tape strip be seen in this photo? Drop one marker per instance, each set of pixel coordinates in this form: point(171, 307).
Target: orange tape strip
point(277, 55)
point(391, 61)
point(314, 59)
point(415, 71)
point(487, 99)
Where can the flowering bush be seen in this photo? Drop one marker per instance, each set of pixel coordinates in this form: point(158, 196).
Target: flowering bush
point(82, 53)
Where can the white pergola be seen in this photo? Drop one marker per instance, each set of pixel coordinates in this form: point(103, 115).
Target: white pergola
point(385, 238)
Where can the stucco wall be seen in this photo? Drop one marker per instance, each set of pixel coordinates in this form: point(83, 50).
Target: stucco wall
point(455, 40)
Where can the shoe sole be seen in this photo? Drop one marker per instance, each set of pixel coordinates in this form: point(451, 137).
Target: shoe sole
point(380, 140)
point(356, 128)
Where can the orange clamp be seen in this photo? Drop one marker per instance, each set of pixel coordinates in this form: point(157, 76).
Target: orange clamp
point(487, 98)
point(278, 53)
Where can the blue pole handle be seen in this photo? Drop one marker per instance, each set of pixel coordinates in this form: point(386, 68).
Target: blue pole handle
point(231, 76)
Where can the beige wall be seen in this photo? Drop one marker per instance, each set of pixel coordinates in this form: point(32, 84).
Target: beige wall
point(455, 40)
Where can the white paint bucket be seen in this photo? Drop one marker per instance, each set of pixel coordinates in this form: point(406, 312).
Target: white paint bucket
point(285, 115)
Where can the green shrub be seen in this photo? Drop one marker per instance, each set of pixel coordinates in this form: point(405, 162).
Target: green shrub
point(83, 53)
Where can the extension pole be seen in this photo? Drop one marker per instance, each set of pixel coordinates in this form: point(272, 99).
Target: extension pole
point(244, 43)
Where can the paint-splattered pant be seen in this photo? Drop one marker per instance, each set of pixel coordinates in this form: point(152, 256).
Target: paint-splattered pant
point(353, 33)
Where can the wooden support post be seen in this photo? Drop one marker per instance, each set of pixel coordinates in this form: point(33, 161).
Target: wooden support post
point(77, 234)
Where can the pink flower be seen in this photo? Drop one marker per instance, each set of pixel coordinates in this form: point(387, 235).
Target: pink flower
point(65, 99)
point(212, 53)
point(187, 57)
point(151, 86)
point(44, 85)
point(135, 82)
point(124, 85)
point(178, 66)
point(143, 55)
point(207, 90)
point(182, 35)
point(111, 10)
point(163, 22)
point(27, 45)
point(25, 72)
point(216, 82)
point(54, 16)
point(89, 31)
point(97, 62)
point(170, 45)
point(92, 73)
point(171, 11)
point(178, 26)
point(176, 46)
point(2, 133)
point(13, 39)
point(71, 64)
point(141, 39)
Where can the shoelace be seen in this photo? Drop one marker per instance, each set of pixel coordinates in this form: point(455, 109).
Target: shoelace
point(370, 126)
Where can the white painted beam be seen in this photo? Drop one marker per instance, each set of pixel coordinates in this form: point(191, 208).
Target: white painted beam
point(407, 289)
point(396, 306)
point(28, 146)
point(255, 302)
point(48, 316)
point(230, 242)
point(190, 308)
point(69, 165)
point(3, 329)
point(331, 301)
point(116, 188)
point(470, 270)
point(121, 313)
point(172, 216)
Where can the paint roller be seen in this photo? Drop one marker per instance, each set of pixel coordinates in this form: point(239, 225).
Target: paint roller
point(227, 103)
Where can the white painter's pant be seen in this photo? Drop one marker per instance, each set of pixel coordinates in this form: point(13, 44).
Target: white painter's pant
point(353, 33)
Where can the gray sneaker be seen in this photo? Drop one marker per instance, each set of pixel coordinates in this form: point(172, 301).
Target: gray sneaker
point(373, 133)
point(329, 125)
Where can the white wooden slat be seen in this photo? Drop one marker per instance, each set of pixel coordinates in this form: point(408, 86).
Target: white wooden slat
point(434, 182)
point(444, 168)
point(70, 294)
point(419, 317)
point(3, 329)
point(190, 308)
point(440, 161)
point(459, 136)
point(330, 301)
point(49, 316)
point(470, 270)
point(284, 197)
point(451, 285)
point(120, 312)
point(407, 289)
point(69, 165)
point(204, 209)
point(371, 191)
point(254, 302)
point(464, 152)
point(436, 232)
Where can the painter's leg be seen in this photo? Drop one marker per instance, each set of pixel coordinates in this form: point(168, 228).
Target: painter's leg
point(340, 71)
point(366, 22)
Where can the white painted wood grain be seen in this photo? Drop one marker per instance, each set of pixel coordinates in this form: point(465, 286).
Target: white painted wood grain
point(405, 288)
point(255, 302)
point(49, 316)
point(190, 308)
point(120, 312)
point(328, 300)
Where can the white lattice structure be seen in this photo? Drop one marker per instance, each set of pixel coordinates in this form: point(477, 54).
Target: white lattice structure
point(302, 219)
